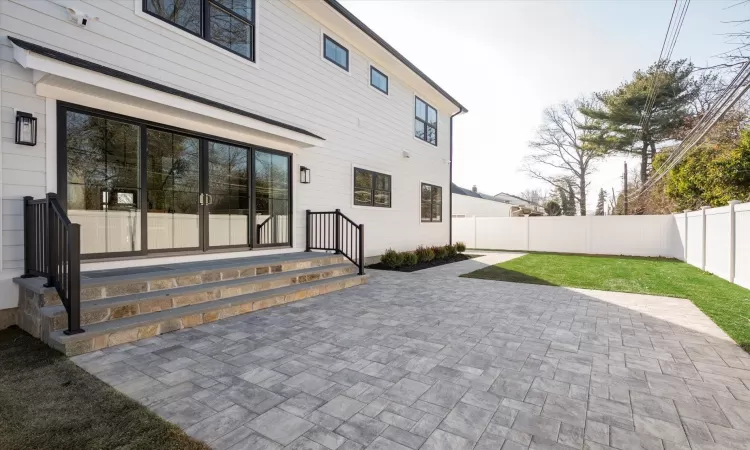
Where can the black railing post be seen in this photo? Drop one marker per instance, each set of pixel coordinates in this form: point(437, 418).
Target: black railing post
point(28, 237)
point(307, 230)
point(51, 241)
point(361, 249)
point(74, 282)
point(337, 232)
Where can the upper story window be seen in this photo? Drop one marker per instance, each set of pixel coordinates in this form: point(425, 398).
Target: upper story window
point(425, 121)
point(372, 188)
point(378, 80)
point(230, 24)
point(336, 53)
point(432, 203)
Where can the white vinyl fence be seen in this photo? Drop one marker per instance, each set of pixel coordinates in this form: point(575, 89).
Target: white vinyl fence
point(716, 240)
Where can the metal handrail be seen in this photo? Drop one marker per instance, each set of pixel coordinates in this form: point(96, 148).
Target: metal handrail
point(52, 250)
point(333, 231)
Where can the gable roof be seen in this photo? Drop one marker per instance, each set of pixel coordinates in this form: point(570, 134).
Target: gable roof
point(456, 189)
point(508, 198)
point(374, 36)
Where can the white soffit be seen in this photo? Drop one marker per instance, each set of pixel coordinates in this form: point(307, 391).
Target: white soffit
point(66, 82)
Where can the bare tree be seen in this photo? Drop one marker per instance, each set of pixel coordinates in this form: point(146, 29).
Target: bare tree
point(559, 151)
point(535, 196)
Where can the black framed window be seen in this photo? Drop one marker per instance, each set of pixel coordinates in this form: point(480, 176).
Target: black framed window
point(425, 121)
point(431, 203)
point(336, 53)
point(378, 80)
point(230, 24)
point(372, 188)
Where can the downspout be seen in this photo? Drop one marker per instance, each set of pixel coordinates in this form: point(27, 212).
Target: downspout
point(450, 181)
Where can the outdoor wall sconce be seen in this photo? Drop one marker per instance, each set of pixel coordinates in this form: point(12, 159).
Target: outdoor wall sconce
point(304, 175)
point(25, 128)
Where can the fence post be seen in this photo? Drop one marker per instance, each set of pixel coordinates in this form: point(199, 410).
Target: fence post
point(74, 282)
point(51, 242)
point(337, 233)
point(528, 232)
point(732, 238)
point(361, 249)
point(27, 237)
point(703, 235)
point(307, 230)
point(685, 244)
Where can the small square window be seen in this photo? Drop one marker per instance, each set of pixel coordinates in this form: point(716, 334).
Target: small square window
point(378, 80)
point(336, 53)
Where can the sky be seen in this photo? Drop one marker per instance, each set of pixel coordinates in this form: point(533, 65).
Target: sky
point(507, 61)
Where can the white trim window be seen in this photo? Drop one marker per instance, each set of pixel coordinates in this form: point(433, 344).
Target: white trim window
point(425, 121)
point(372, 188)
point(229, 24)
point(431, 203)
point(335, 52)
point(378, 80)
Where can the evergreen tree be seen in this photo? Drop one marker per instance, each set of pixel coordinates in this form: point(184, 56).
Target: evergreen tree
point(623, 123)
point(552, 208)
point(600, 203)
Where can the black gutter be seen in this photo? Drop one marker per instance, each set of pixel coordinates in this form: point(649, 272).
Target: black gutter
point(368, 31)
point(78, 62)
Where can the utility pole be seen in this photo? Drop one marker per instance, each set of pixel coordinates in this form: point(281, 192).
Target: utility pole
point(625, 188)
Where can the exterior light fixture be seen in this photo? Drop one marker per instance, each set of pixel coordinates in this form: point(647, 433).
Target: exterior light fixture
point(304, 175)
point(25, 128)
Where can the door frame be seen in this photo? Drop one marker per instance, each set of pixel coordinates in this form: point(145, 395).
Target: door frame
point(62, 183)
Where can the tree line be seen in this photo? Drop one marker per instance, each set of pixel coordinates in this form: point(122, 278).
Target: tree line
point(647, 116)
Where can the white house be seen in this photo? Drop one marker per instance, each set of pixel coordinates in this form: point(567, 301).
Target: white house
point(205, 130)
point(471, 203)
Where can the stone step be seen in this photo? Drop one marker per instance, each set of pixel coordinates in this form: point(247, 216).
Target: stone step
point(113, 308)
point(106, 334)
point(96, 285)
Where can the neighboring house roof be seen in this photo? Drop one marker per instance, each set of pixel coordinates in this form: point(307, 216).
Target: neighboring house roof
point(514, 200)
point(368, 31)
point(75, 61)
point(455, 189)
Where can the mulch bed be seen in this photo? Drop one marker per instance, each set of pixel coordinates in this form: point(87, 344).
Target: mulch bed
point(425, 265)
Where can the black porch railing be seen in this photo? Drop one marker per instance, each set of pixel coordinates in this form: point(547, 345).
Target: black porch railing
point(52, 249)
point(333, 231)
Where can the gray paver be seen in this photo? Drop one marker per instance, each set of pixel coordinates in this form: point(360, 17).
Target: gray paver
point(431, 361)
point(280, 426)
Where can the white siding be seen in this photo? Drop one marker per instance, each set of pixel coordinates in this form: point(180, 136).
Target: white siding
point(478, 207)
point(290, 82)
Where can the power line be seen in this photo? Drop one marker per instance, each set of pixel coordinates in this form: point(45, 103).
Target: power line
point(663, 46)
point(729, 98)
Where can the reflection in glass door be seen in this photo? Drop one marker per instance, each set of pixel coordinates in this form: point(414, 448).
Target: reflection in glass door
point(103, 182)
point(227, 204)
point(271, 187)
point(173, 190)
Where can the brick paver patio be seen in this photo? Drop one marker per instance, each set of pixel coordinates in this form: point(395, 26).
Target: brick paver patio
point(430, 361)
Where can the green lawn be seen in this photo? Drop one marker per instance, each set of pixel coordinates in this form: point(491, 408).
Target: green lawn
point(725, 303)
point(49, 403)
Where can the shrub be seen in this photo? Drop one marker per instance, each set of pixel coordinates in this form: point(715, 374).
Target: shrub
point(410, 259)
point(440, 252)
point(425, 254)
point(460, 247)
point(392, 259)
point(450, 251)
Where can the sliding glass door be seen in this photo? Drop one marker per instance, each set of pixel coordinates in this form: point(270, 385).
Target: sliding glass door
point(272, 208)
point(140, 188)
